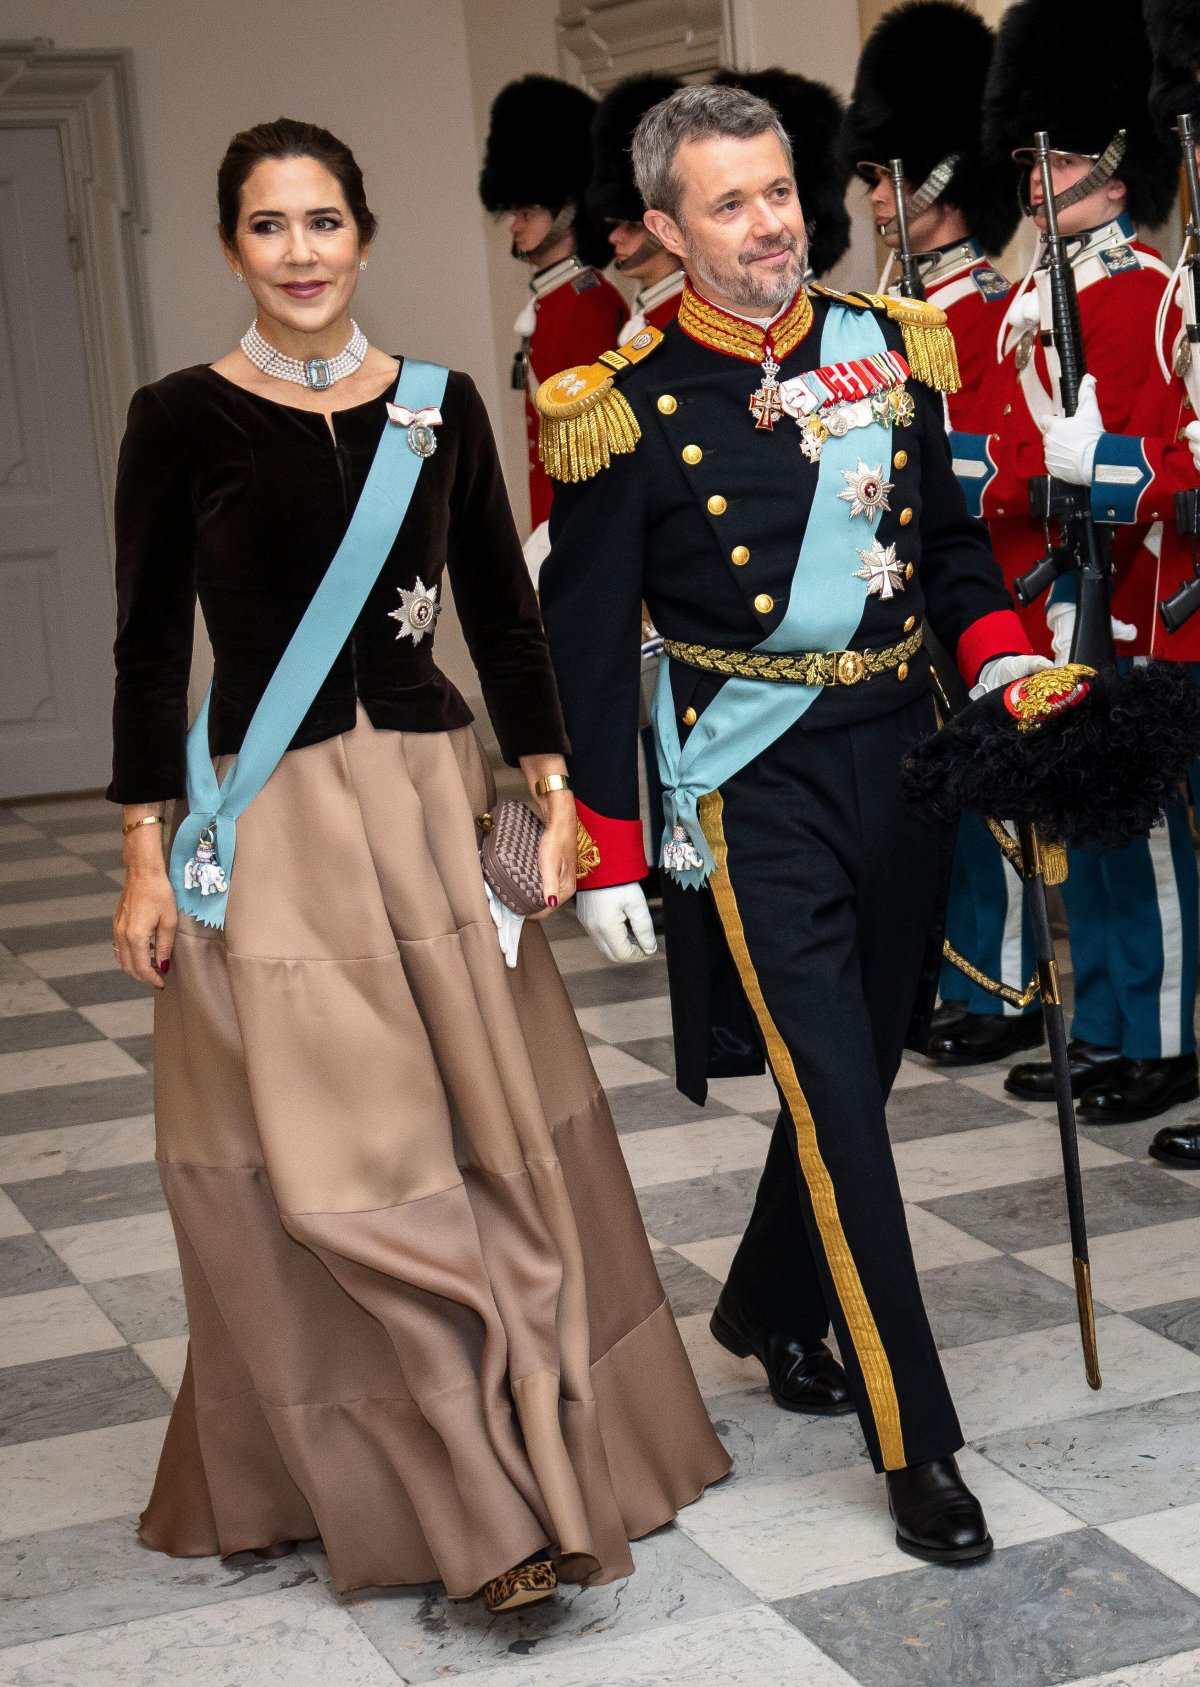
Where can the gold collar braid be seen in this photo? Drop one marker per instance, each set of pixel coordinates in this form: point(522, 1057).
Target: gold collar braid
point(736, 337)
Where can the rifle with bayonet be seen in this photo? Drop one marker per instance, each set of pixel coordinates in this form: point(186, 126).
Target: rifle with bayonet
point(1084, 545)
point(1184, 602)
point(911, 285)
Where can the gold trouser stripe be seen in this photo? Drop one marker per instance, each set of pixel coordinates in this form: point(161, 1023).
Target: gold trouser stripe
point(873, 1360)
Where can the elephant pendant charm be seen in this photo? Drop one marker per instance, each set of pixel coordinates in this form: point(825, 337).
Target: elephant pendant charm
point(679, 852)
point(204, 872)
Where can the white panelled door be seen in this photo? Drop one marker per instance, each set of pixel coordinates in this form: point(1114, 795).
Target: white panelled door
point(57, 606)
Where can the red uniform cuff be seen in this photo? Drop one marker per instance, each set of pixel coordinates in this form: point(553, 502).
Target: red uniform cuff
point(613, 852)
point(998, 634)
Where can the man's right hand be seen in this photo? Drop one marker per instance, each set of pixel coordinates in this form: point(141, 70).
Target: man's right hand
point(617, 919)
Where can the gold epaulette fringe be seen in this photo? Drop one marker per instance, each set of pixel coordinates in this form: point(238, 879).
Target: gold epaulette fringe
point(928, 341)
point(583, 421)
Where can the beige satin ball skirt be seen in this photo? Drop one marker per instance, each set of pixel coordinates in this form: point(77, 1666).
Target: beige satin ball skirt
point(425, 1322)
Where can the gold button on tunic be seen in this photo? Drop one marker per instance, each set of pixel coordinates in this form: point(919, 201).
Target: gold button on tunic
point(739, 556)
point(910, 624)
point(902, 671)
point(764, 604)
point(900, 460)
point(717, 504)
point(690, 717)
point(906, 516)
point(668, 405)
point(692, 453)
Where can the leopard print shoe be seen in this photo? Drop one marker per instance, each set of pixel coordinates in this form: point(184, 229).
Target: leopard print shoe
point(528, 1583)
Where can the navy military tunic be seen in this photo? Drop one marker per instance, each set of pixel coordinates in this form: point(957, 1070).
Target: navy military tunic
point(826, 887)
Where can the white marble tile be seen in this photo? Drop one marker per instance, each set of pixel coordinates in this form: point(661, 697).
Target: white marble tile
point(746, 1095)
point(717, 1372)
point(1168, 1540)
point(1018, 1381)
point(703, 1149)
point(750, 1648)
point(74, 1063)
point(577, 954)
point(76, 1148)
point(808, 1532)
point(56, 910)
point(72, 961)
point(1183, 1670)
point(615, 1068)
point(12, 1221)
point(132, 1018)
point(296, 1638)
point(16, 831)
point(51, 1325)
point(714, 1256)
point(996, 1155)
point(68, 808)
point(1133, 1268)
point(166, 1357)
point(19, 996)
point(76, 1479)
point(117, 1247)
point(626, 1022)
point(42, 867)
point(90, 843)
point(936, 1242)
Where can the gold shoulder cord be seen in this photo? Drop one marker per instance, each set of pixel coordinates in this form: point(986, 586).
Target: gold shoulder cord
point(583, 421)
point(928, 341)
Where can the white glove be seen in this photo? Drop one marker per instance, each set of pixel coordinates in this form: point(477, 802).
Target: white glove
point(611, 914)
point(1071, 440)
point(1003, 670)
point(1192, 434)
point(1060, 618)
point(508, 925)
point(535, 550)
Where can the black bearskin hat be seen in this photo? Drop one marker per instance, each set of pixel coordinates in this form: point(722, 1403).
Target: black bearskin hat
point(918, 95)
point(539, 152)
point(612, 192)
point(1080, 69)
point(1174, 30)
point(811, 114)
point(1089, 758)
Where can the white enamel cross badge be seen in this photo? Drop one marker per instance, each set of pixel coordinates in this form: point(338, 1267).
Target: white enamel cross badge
point(418, 610)
point(882, 572)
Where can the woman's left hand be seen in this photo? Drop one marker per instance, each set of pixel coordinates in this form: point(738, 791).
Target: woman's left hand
point(559, 852)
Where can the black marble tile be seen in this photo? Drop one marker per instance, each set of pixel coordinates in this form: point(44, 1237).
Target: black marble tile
point(86, 1391)
point(940, 1108)
point(28, 849)
point(653, 1051)
point(39, 890)
point(84, 1197)
point(90, 989)
point(76, 1104)
point(146, 1306)
point(45, 1031)
point(689, 1289)
point(63, 934)
point(1179, 1321)
point(700, 1207)
point(1053, 1611)
point(28, 1265)
point(648, 1107)
point(610, 983)
point(988, 1298)
point(140, 1049)
point(1029, 1215)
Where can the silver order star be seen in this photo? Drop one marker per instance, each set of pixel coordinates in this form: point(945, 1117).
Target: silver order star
point(418, 610)
point(866, 491)
point(883, 574)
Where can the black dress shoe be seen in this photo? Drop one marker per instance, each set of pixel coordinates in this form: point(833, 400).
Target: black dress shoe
point(803, 1377)
point(1089, 1063)
point(947, 1014)
point(937, 1517)
point(979, 1037)
point(1178, 1145)
point(1140, 1089)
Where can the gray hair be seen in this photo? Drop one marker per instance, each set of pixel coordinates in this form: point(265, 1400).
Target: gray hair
point(695, 114)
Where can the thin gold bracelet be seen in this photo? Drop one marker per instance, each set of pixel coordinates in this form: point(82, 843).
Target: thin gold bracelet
point(551, 782)
point(146, 820)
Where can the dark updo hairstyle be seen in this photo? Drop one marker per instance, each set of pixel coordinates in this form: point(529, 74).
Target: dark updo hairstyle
point(288, 138)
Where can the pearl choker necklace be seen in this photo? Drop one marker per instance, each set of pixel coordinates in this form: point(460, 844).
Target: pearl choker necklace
point(318, 372)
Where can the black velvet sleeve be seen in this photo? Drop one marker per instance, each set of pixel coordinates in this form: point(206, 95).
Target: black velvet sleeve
point(156, 605)
point(495, 600)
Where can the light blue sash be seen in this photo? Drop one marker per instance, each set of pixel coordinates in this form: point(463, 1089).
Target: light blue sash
point(327, 623)
point(824, 610)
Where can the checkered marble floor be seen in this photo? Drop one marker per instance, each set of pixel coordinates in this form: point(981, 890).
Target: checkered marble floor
point(787, 1572)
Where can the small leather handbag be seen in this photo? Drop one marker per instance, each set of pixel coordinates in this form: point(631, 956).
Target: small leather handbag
point(512, 838)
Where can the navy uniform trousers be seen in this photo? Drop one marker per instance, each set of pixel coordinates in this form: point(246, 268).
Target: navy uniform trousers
point(826, 886)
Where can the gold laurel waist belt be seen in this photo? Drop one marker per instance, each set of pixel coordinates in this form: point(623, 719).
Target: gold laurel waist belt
point(806, 667)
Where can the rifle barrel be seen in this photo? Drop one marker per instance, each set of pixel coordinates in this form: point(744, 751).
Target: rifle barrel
point(911, 285)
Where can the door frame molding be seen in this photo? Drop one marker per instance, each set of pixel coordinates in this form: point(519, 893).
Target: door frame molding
point(87, 96)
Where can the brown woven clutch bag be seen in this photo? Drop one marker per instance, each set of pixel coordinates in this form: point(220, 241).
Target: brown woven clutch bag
point(512, 837)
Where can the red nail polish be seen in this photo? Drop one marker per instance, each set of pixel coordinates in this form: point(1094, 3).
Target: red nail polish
point(164, 967)
point(552, 901)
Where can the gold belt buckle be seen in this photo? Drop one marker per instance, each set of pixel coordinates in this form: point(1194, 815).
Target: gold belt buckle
point(848, 666)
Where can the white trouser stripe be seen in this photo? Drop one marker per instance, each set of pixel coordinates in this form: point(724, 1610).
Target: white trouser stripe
point(1171, 924)
point(1012, 959)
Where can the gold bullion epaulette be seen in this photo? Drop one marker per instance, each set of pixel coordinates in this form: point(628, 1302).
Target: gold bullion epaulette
point(583, 421)
point(928, 341)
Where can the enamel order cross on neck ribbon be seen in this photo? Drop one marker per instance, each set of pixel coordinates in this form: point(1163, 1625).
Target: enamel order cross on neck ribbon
point(766, 406)
point(840, 396)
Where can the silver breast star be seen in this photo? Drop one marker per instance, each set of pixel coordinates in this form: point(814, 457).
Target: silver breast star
point(866, 490)
point(883, 574)
point(418, 610)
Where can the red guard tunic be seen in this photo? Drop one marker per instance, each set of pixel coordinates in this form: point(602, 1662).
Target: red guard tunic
point(1120, 281)
point(574, 315)
point(655, 306)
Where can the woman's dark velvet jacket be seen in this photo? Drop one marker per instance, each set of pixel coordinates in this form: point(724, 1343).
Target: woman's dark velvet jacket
point(243, 502)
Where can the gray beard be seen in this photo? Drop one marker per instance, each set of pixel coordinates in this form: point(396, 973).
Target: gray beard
point(744, 289)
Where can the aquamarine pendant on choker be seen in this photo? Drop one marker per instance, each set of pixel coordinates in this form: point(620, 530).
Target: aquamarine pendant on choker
point(318, 372)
